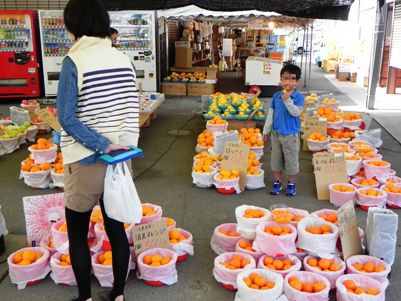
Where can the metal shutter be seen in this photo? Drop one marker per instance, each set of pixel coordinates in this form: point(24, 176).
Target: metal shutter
point(395, 50)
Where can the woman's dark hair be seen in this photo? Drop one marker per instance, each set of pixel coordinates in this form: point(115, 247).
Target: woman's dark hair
point(113, 31)
point(291, 69)
point(86, 18)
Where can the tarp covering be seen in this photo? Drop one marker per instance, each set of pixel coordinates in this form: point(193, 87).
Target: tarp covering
point(316, 9)
point(230, 19)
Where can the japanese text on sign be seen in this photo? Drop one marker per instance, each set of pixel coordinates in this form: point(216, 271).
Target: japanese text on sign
point(149, 236)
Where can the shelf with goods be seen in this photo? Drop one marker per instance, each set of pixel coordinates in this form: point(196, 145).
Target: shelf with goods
point(14, 38)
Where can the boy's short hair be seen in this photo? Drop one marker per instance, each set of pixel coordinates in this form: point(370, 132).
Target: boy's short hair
point(86, 18)
point(291, 69)
point(113, 31)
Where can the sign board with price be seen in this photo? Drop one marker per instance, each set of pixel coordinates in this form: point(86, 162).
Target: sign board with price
point(313, 124)
point(235, 156)
point(328, 169)
point(49, 118)
point(149, 236)
point(349, 233)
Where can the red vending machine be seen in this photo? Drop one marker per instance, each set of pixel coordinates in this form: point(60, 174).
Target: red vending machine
point(19, 76)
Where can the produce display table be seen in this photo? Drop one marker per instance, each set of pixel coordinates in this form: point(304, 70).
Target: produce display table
point(149, 112)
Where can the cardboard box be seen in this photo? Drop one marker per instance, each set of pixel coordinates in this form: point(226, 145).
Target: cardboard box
point(344, 76)
point(182, 44)
point(183, 57)
point(236, 124)
point(200, 89)
point(174, 88)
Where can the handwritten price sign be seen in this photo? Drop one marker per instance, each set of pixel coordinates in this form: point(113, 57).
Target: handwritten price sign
point(149, 236)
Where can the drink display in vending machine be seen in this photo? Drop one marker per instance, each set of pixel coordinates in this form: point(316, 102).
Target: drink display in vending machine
point(55, 46)
point(136, 38)
point(18, 55)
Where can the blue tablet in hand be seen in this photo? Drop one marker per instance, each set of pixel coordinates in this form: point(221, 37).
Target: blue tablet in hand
point(121, 155)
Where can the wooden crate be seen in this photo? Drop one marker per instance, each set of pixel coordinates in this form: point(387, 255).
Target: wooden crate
point(174, 88)
point(200, 89)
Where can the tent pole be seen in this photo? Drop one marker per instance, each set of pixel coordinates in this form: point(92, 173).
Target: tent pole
point(303, 47)
point(306, 54)
point(310, 57)
point(376, 54)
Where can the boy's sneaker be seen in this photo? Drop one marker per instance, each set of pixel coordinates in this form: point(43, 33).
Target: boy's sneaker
point(291, 189)
point(276, 188)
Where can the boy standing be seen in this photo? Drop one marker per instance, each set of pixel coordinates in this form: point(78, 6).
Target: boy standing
point(283, 124)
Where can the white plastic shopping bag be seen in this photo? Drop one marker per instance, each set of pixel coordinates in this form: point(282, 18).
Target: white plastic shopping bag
point(121, 200)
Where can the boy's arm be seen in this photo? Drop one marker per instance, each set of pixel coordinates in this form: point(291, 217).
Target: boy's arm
point(269, 122)
point(292, 108)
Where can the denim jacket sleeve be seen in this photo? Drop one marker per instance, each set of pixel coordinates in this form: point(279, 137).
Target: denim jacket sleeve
point(67, 99)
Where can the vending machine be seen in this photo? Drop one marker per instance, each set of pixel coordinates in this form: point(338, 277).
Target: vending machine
point(136, 31)
point(55, 46)
point(18, 55)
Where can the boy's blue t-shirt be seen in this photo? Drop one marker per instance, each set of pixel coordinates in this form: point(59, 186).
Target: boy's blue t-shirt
point(283, 122)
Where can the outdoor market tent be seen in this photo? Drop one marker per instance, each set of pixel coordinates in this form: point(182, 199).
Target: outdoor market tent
point(232, 18)
point(316, 9)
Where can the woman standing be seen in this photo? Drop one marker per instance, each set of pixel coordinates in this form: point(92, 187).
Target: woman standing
point(98, 110)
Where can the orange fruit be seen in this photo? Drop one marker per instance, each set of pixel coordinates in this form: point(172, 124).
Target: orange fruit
point(156, 258)
point(359, 291)
point(324, 263)
point(296, 284)
point(107, 262)
point(45, 166)
point(372, 291)
point(349, 284)
point(100, 258)
point(312, 262)
point(307, 287)
point(18, 257)
point(318, 287)
point(278, 264)
point(369, 267)
point(29, 255)
point(147, 259)
point(25, 262)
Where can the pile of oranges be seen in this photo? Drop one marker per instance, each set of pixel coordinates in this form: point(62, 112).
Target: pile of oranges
point(324, 111)
point(378, 163)
point(307, 287)
point(352, 116)
point(341, 134)
point(206, 139)
point(204, 166)
point(368, 267)
point(229, 233)
point(254, 213)
point(323, 229)
point(156, 260)
point(283, 216)
point(63, 227)
point(366, 182)
point(30, 167)
point(58, 165)
point(363, 148)
point(96, 216)
point(253, 163)
point(217, 120)
point(359, 143)
point(169, 221)
point(42, 144)
point(26, 257)
point(343, 188)
point(277, 264)
point(330, 217)
point(236, 262)
point(251, 137)
point(251, 170)
point(317, 137)
point(65, 260)
point(175, 236)
point(324, 265)
point(278, 230)
point(205, 155)
point(392, 188)
point(258, 282)
point(351, 287)
point(333, 118)
point(246, 245)
point(353, 158)
point(228, 174)
point(367, 155)
point(371, 192)
point(147, 211)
